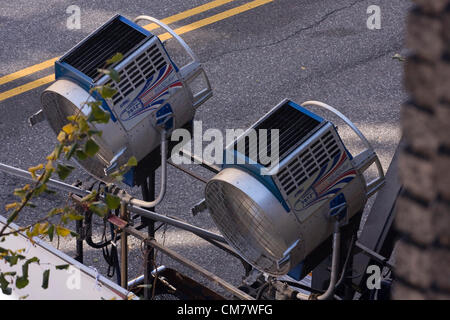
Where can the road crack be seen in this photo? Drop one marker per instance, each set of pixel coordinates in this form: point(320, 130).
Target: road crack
point(292, 35)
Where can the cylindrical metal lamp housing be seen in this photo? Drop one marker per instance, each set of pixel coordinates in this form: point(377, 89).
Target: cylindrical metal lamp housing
point(65, 98)
point(152, 92)
point(260, 229)
point(252, 220)
point(276, 220)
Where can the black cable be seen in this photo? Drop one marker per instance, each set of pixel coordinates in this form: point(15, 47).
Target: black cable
point(89, 241)
point(159, 227)
point(114, 257)
point(261, 290)
point(107, 255)
point(347, 259)
point(88, 223)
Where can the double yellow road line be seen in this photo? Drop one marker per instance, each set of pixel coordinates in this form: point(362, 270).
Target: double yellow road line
point(177, 17)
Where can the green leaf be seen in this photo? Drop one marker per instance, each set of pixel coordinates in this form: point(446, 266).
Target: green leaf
point(7, 291)
point(82, 124)
point(112, 201)
point(74, 234)
point(104, 118)
point(74, 216)
point(55, 211)
point(91, 148)
point(98, 115)
point(81, 155)
point(89, 197)
point(61, 231)
point(34, 259)
point(20, 192)
point(114, 75)
point(58, 150)
point(132, 162)
point(62, 267)
point(21, 282)
point(99, 208)
point(35, 231)
point(42, 188)
point(47, 175)
point(4, 284)
point(71, 151)
point(25, 267)
point(63, 171)
point(94, 132)
point(93, 104)
point(115, 58)
point(107, 92)
point(45, 277)
point(51, 232)
point(13, 216)
point(12, 260)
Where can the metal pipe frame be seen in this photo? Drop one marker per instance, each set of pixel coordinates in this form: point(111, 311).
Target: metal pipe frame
point(140, 280)
point(334, 263)
point(169, 30)
point(190, 71)
point(374, 255)
point(148, 194)
point(124, 249)
point(62, 186)
point(211, 167)
point(162, 190)
point(51, 183)
point(205, 234)
point(188, 172)
point(193, 266)
point(177, 223)
point(329, 293)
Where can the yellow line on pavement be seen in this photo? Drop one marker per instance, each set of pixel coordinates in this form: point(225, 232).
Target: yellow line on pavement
point(188, 13)
point(26, 87)
point(215, 18)
point(27, 71)
point(187, 28)
point(177, 17)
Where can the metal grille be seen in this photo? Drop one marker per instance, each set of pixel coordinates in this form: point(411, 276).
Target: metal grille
point(244, 224)
point(137, 71)
point(293, 125)
point(116, 36)
point(57, 110)
point(308, 162)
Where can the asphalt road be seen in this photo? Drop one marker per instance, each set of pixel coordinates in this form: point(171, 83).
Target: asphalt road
point(300, 49)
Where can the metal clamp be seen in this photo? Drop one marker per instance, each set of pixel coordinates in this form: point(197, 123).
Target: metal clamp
point(36, 118)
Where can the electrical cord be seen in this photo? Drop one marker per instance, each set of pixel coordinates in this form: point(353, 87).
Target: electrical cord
point(261, 290)
point(347, 258)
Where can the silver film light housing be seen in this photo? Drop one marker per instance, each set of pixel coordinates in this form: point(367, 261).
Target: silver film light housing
point(275, 221)
point(152, 92)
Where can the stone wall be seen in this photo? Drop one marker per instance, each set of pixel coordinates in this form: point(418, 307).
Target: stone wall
point(423, 211)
